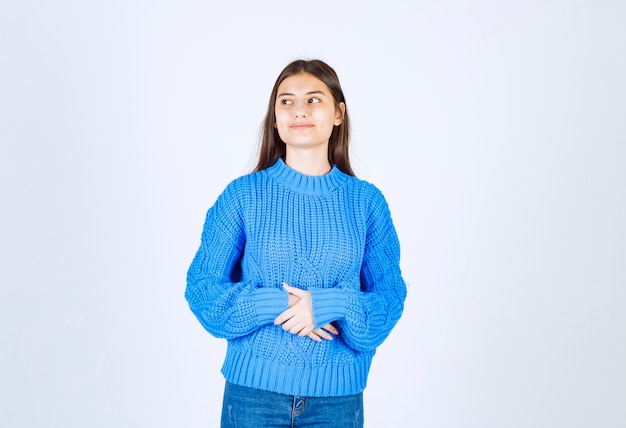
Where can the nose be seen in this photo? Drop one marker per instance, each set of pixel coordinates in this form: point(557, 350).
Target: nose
point(301, 110)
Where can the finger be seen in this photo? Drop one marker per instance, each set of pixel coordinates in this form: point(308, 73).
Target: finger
point(312, 335)
point(305, 330)
point(287, 314)
point(292, 290)
point(331, 328)
point(323, 334)
point(289, 324)
point(301, 328)
point(295, 325)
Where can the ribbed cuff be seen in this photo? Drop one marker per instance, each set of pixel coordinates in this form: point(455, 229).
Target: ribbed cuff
point(329, 304)
point(269, 303)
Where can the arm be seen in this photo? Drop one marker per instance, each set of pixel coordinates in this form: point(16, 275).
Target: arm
point(367, 312)
point(225, 306)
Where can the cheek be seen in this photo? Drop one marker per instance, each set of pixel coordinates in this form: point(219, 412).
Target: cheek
point(329, 118)
point(281, 119)
point(281, 124)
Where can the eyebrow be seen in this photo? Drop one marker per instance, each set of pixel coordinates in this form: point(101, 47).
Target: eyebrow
point(289, 94)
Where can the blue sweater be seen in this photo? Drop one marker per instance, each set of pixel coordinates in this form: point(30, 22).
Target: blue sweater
point(332, 235)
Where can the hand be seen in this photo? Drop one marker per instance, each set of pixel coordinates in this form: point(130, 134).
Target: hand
point(322, 333)
point(298, 318)
point(293, 299)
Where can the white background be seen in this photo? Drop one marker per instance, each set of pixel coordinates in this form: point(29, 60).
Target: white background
point(496, 130)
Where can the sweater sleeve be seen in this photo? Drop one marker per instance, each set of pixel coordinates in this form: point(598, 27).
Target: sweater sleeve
point(225, 306)
point(367, 312)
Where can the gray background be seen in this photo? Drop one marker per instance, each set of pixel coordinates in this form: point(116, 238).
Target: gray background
point(495, 130)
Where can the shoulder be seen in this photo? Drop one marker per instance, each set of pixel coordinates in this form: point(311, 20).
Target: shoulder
point(242, 192)
point(243, 185)
point(379, 222)
point(366, 192)
point(229, 208)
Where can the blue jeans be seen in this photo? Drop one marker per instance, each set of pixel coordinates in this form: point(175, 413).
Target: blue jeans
point(245, 407)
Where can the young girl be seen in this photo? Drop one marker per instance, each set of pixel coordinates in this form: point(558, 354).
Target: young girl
point(298, 267)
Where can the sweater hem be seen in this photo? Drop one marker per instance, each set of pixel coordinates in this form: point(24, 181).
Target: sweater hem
point(307, 381)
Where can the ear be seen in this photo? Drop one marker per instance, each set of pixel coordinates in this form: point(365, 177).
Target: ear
point(341, 111)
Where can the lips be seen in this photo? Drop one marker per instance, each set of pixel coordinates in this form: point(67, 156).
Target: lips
point(300, 126)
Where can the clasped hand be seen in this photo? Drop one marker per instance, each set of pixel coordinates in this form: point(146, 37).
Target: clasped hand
point(298, 318)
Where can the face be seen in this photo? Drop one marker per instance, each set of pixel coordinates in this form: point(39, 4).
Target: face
point(306, 112)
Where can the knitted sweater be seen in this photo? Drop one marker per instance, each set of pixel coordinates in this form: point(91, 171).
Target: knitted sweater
point(331, 235)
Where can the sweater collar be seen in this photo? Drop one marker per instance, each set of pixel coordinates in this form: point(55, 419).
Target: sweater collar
point(313, 185)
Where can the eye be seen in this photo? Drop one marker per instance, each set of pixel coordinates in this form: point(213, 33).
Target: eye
point(286, 102)
point(314, 100)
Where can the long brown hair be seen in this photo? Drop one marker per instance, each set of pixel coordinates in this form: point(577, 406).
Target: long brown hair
point(272, 147)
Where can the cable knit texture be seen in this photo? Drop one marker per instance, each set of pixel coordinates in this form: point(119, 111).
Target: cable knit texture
point(332, 235)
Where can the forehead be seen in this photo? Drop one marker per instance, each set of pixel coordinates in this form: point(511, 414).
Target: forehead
point(302, 83)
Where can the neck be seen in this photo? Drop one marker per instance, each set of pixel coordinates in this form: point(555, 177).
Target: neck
point(308, 162)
